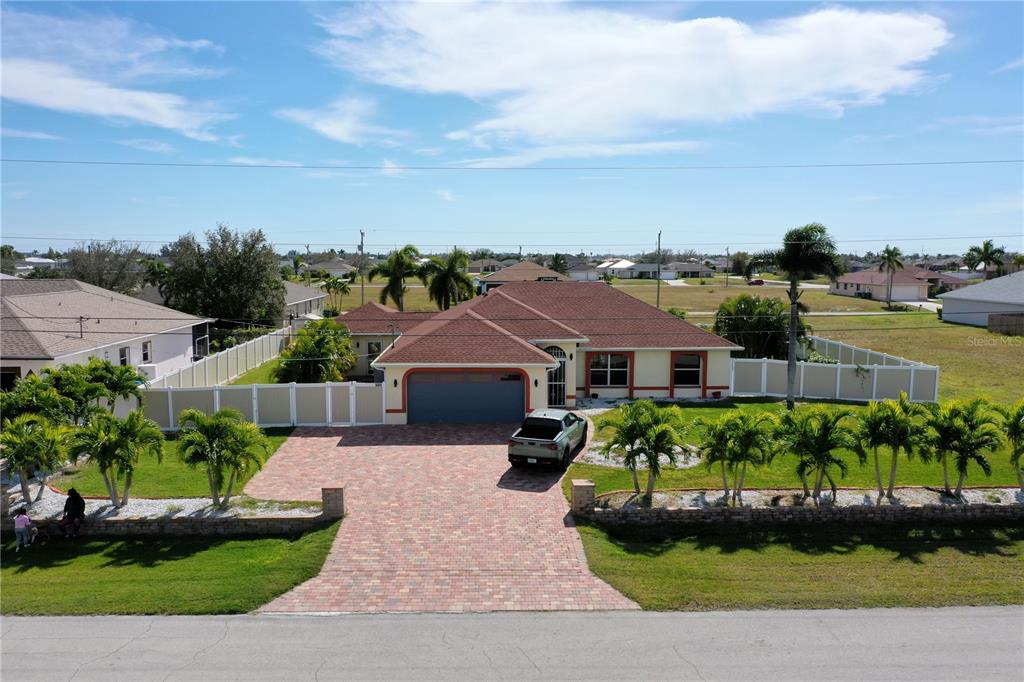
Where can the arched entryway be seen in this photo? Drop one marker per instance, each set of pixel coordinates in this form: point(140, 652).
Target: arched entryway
point(556, 378)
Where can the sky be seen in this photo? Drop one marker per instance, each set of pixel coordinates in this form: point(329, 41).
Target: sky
point(514, 125)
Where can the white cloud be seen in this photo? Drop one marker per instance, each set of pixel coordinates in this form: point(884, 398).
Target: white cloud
point(92, 65)
point(527, 157)
point(30, 134)
point(1010, 66)
point(155, 146)
point(344, 120)
point(559, 74)
point(391, 169)
point(260, 161)
point(979, 125)
point(444, 195)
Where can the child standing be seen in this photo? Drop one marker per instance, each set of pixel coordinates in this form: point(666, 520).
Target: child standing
point(22, 524)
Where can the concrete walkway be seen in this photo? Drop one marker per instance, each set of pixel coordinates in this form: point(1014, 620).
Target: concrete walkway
point(982, 643)
point(437, 521)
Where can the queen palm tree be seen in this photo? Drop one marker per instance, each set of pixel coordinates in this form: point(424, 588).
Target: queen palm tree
point(985, 255)
point(814, 435)
point(977, 433)
point(224, 445)
point(446, 280)
point(806, 252)
point(116, 445)
point(33, 442)
point(399, 265)
point(1013, 430)
point(889, 262)
point(643, 433)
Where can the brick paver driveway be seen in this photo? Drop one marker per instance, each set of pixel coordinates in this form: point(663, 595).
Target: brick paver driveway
point(437, 521)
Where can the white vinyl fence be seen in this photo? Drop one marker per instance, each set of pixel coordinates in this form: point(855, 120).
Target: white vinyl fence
point(861, 375)
point(226, 365)
point(330, 404)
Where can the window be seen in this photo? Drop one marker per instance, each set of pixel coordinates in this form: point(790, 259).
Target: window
point(686, 370)
point(609, 369)
point(124, 356)
point(147, 351)
point(372, 351)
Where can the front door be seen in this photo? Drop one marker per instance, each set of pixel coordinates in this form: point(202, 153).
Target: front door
point(556, 378)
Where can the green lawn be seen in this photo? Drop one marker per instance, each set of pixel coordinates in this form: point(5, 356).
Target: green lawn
point(781, 472)
point(158, 575)
point(170, 478)
point(707, 298)
point(813, 567)
point(263, 374)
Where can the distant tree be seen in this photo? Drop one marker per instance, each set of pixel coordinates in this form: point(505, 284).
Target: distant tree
point(224, 445)
point(154, 273)
point(336, 288)
point(31, 442)
point(400, 265)
point(235, 277)
point(985, 255)
point(740, 261)
point(806, 252)
point(890, 263)
point(45, 272)
point(446, 279)
point(8, 259)
point(111, 265)
point(481, 254)
point(758, 324)
point(664, 258)
point(297, 264)
point(321, 351)
point(559, 264)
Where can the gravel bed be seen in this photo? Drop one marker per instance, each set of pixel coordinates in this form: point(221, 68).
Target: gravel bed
point(686, 457)
point(904, 497)
point(51, 506)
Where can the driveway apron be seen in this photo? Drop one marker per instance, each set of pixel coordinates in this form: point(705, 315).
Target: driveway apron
point(436, 521)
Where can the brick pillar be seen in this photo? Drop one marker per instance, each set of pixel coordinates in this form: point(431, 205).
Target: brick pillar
point(334, 502)
point(582, 496)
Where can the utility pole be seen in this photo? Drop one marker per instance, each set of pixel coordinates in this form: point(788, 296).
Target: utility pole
point(657, 296)
point(728, 265)
point(362, 276)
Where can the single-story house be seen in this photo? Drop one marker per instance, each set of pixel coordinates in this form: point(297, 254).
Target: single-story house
point(651, 271)
point(374, 327)
point(50, 322)
point(973, 304)
point(616, 267)
point(336, 267)
point(535, 344)
point(302, 302)
point(690, 270)
point(484, 265)
point(524, 271)
point(908, 284)
point(584, 272)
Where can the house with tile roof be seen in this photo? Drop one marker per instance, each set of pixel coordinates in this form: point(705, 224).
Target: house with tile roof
point(908, 284)
point(374, 327)
point(529, 345)
point(973, 304)
point(524, 271)
point(51, 322)
point(483, 266)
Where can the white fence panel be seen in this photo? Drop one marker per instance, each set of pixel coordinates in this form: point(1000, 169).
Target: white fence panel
point(222, 367)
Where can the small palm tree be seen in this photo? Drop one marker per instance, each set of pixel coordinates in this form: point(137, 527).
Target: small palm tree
point(714, 449)
point(336, 288)
point(889, 262)
point(297, 264)
point(1013, 430)
point(224, 445)
point(977, 433)
point(116, 445)
point(814, 435)
point(872, 433)
point(560, 264)
point(120, 381)
point(750, 443)
point(943, 432)
point(400, 265)
point(446, 279)
point(806, 252)
point(79, 385)
point(904, 434)
point(33, 442)
point(663, 437)
point(643, 433)
point(985, 255)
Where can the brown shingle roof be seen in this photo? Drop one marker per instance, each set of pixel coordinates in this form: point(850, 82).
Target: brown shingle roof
point(40, 318)
point(525, 271)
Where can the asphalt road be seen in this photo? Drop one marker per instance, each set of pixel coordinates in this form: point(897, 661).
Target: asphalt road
point(983, 643)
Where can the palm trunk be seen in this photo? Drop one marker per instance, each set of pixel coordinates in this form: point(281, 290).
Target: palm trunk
point(817, 485)
point(636, 479)
point(111, 490)
point(725, 484)
point(945, 474)
point(960, 486)
point(888, 295)
point(878, 478)
point(26, 492)
point(737, 493)
point(214, 493)
point(835, 489)
point(42, 487)
point(127, 488)
point(227, 491)
point(807, 490)
point(892, 473)
point(791, 355)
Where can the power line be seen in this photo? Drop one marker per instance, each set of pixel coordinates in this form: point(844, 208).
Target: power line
point(696, 167)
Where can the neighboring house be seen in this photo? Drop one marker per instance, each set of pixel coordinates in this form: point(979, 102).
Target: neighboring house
point(584, 272)
point(483, 266)
point(616, 267)
point(26, 265)
point(335, 267)
point(525, 271)
point(49, 322)
point(531, 345)
point(651, 271)
point(302, 302)
point(374, 327)
point(908, 284)
point(690, 270)
point(853, 265)
point(972, 304)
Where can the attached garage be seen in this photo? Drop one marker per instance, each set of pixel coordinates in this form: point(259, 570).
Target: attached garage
point(466, 397)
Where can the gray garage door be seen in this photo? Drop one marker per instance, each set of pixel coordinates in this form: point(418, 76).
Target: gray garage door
point(466, 397)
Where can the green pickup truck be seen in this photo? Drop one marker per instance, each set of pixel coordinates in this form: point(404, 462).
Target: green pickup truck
point(547, 437)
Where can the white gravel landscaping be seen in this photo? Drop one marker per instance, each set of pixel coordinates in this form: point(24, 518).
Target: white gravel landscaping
point(51, 506)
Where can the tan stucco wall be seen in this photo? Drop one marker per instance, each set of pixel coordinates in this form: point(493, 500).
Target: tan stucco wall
point(651, 369)
point(719, 369)
point(362, 365)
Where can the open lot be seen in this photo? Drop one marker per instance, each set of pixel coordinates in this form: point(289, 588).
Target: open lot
point(168, 575)
point(813, 567)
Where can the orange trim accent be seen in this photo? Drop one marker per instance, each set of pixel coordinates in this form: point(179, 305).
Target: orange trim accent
point(650, 388)
point(716, 387)
point(703, 371)
point(394, 410)
point(632, 362)
point(451, 370)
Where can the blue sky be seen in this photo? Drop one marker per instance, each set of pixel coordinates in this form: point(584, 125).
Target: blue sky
point(501, 95)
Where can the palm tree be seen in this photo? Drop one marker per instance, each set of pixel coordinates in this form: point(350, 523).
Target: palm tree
point(662, 439)
point(872, 433)
point(757, 324)
point(559, 263)
point(77, 383)
point(889, 262)
point(336, 287)
point(33, 442)
point(120, 381)
point(1013, 430)
point(985, 255)
point(446, 279)
point(750, 442)
point(155, 274)
point(116, 445)
point(297, 264)
point(904, 433)
point(977, 433)
point(714, 448)
point(943, 431)
point(813, 435)
point(806, 252)
point(321, 351)
point(400, 264)
point(224, 445)
point(32, 395)
point(643, 433)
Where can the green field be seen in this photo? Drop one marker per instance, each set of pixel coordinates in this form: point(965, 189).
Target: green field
point(157, 575)
point(781, 472)
point(813, 567)
point(169, 478)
